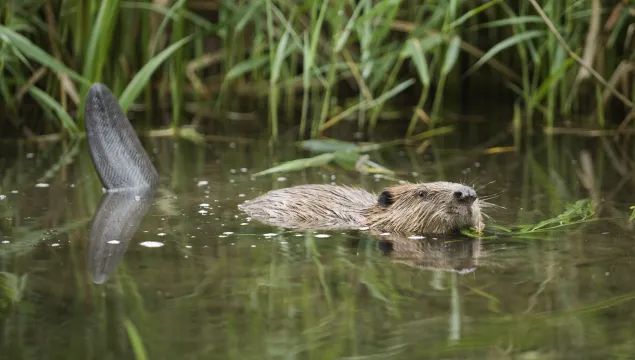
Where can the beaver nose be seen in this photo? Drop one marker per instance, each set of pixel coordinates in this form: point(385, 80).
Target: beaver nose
point(465, 194)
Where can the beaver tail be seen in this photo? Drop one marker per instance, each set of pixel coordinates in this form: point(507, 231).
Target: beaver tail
point(117, 154)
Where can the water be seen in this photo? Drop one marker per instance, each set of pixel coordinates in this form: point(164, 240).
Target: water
point(185, 275)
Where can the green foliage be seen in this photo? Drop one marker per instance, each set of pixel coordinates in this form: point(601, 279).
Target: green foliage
point(386, 49)
point(577, 213)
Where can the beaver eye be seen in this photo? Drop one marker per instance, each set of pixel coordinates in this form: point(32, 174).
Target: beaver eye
point(421, 193)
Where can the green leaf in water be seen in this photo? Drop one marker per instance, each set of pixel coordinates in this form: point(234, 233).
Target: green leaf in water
point(327, 145)
point(299, 164)
point(632, 214)
point(12, 286)
point(135, 340)
point(574, 213)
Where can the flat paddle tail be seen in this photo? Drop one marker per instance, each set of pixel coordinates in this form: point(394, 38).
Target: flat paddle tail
point(118, 156)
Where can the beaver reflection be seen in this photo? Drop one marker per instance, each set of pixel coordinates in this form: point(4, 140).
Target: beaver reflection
point(114, 223)
point(454, 255)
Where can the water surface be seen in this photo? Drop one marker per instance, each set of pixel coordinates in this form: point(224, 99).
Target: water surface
point(191, 277)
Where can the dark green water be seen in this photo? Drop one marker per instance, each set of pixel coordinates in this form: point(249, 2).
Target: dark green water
point(198, 280)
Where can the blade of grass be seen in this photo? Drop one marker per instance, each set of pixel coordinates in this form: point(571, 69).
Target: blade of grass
point(135, 340)
point(97, 46)
point(140, 80)
point(511, 41)
point(299, 164)
point(472, 13)
point(65, 120)
point(33, 52)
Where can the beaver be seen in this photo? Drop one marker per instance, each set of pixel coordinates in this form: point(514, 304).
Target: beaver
point(439, 207)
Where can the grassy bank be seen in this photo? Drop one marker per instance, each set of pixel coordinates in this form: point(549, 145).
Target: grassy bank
point(311, 66)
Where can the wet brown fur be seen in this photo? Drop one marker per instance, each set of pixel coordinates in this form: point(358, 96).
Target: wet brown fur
point(426, 208)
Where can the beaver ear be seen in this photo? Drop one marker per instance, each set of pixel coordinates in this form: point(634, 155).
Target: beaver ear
point(385, 199)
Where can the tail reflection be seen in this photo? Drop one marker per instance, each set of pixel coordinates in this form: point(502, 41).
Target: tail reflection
point(114, 224)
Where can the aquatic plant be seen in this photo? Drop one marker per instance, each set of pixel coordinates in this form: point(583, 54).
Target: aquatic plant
point(559, 58)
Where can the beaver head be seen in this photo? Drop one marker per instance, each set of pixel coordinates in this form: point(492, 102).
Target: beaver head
point(430, 208)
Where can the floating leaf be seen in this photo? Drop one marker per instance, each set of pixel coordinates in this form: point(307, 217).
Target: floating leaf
point(327, 145)
point(299, 164)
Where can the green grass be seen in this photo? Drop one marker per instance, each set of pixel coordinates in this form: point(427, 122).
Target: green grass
point(298, 56)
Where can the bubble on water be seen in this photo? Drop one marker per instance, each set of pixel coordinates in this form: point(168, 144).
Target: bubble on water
point(188, 246)
point(42, 185)
point(55, 244)
point(322, 235)
point(30, 155)
point(137, 198)
point(416, 237)
point(364, 228)
point(5, 241)
point(227, 233)
point(243, 224)
point(202, 183)
point(202, 212)
point(14, 191)
point(233, 171)
point(2, 197)
point(161, 234)
point(241, 195)
point(222, 236)
point(243, 170)
point(115, 242)
point(253, 245)
point(152, 244)
point(298, 235)
point(282, 178)
point(203, 205)
point(270, 234)
point(332, 177)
